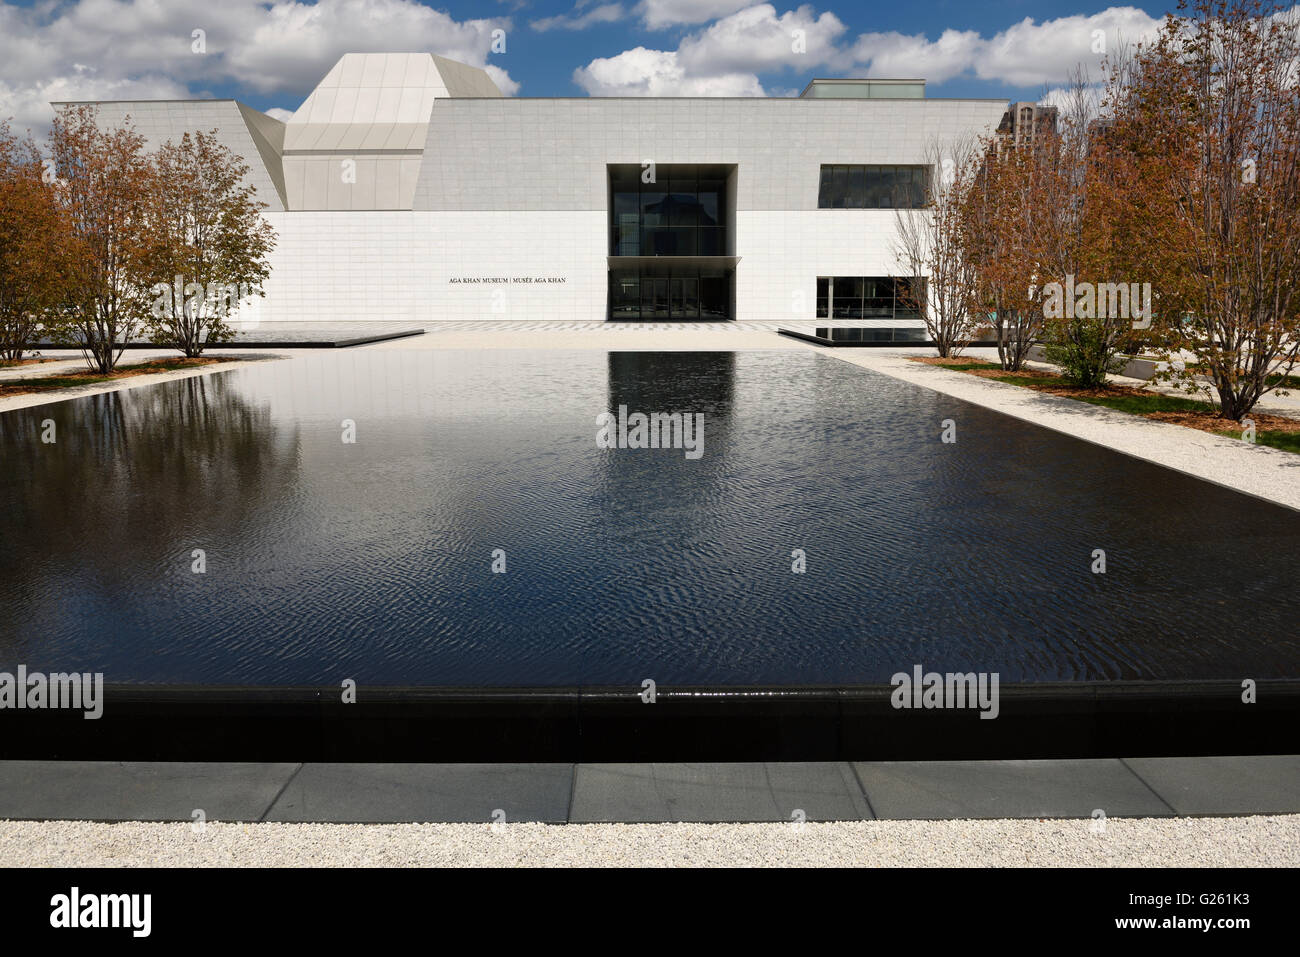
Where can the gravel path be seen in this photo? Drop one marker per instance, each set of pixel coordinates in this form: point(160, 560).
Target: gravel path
point(1145, 842)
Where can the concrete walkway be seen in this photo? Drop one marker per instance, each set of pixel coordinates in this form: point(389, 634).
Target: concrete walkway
point(650, 793)
point(1132, 813)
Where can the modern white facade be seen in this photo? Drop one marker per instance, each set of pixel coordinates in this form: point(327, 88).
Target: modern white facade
point(407, 188)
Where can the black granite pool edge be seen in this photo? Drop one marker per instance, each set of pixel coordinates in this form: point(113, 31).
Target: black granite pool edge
point(320, 343)
point(860, 344)
point(312, 343)
point(1067, 720)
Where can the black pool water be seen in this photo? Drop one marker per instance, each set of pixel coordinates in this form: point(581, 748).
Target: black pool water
point(373, 560)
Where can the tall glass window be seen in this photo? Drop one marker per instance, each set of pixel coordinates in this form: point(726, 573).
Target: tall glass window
point(682, 213)
point(847, 297)
point(625, 296)
point(857, 188)
point(625, 212)
point(872, 187)
point(869, 297)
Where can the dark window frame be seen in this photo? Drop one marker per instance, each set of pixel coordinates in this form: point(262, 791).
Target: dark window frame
point(687, 293)
point(685, 197)
point(866, 297)
point(872, 186)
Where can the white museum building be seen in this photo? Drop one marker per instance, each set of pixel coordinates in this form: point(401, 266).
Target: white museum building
point(407, 188)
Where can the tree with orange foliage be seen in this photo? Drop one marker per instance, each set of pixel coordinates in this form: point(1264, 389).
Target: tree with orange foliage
point(1205, 160)
point(1099, 293)
point(1004, 218)
point(102, 179)
point(205, 243)
point(35, 252)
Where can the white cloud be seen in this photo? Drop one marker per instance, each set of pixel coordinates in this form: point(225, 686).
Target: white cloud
point(657, 14)
point(757, 40)
point(1027, 54)
point(898, 55)
point(29, 104)
point(723, 59)
point(290, 45)
point(605, 13)
point(642, 72)
point(751, 41)
point(654, 14)
point(501, 78)
point(100, 49)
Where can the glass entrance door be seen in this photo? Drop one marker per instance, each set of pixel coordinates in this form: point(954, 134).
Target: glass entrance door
point(681, 296)
point(691, 298)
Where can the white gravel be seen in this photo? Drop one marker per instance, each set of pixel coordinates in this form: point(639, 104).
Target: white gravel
point(1272, 841)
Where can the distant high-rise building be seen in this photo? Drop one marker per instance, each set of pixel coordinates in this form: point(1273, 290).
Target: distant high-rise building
point(1025, 122)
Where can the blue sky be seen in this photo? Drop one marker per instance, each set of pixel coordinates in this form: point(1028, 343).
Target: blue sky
point(546, 61)
point(270, 53)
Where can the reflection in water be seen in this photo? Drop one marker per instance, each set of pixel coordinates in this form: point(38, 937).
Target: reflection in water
point(373, 560)
point(697, 385)
point(664, 381)
point(133, 483)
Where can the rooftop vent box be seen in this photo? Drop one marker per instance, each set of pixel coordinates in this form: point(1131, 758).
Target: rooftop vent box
point(864, 90)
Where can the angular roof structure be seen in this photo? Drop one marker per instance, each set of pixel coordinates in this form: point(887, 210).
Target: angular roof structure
point(357, 142)
point(380, 101)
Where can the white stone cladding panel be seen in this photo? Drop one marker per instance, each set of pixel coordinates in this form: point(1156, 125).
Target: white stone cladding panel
point(516, 153)
point(783, 252)
point(345, 266)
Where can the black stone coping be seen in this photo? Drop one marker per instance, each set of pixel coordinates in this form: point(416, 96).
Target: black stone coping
point(295, 336)
point(860, 342)
point(339, 342)
point(387, 724)
point(854, 337)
